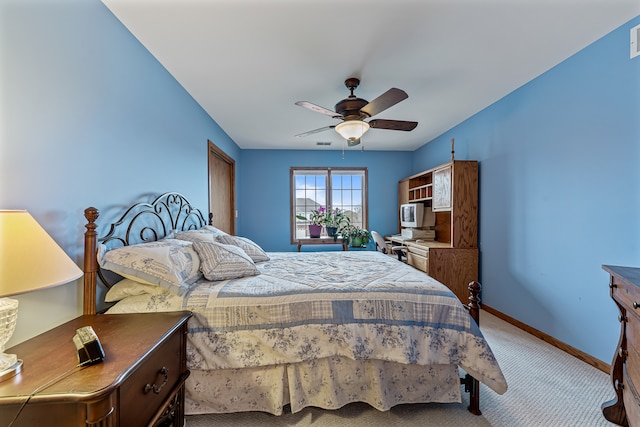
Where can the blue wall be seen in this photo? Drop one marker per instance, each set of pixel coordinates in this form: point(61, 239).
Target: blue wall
point(263, 199)
point(88, 118)
point(559, 192)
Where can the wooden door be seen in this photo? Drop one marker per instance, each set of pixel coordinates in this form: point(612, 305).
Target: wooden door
point(222, 178)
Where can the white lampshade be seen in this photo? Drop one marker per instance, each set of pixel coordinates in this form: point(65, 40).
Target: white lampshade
point(352, 130)
point(29, 258)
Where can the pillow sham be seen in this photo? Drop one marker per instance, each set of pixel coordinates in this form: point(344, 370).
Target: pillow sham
point(170, 263)
point(221, 262)
point(207, 233)
point(160, 302)
point(199, 235)
point(251, 248)
point(212, 229)
point(128, 288)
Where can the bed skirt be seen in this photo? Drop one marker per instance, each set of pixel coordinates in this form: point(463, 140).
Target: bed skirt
point(328, 383)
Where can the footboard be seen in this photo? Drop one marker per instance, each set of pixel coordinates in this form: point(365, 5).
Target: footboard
point(472, 385)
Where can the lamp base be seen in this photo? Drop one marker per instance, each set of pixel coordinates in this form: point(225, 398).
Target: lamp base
point(11, 371)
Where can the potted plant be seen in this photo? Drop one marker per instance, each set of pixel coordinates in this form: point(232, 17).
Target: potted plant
point(317, 219)
point(335, 220)
point(356, 237)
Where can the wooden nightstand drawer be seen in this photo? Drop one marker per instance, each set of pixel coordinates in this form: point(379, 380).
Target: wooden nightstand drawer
point(152, 383)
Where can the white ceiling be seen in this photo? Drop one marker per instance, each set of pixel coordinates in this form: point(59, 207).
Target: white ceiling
point(246, 62)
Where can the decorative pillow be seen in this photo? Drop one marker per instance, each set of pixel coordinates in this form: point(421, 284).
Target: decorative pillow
point(170, 263)
point(128, 288)
point(170, 235)
point(212, 229)
point(199, 235)
point(251, 248)
point(207, 233)
point(221, 262)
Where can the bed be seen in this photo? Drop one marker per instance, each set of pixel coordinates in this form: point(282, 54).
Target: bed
point(271, 329)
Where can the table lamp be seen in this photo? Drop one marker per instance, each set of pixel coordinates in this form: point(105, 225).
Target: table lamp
point(29, 260)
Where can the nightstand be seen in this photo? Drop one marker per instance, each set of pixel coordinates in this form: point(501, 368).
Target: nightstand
point(139, 383)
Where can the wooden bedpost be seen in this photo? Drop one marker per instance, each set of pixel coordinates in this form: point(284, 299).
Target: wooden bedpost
point(90, 261)
point(472, 384)
point(474, 301)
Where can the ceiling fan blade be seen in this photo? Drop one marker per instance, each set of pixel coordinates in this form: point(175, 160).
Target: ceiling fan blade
point(318, 109)
point(353, 143)
point(384, 101)
point(393, 124)
point(314, 131)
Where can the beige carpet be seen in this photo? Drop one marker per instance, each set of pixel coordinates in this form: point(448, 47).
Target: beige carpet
point(547, 387)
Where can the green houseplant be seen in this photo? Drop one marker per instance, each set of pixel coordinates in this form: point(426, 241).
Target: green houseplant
point(356, 237)
point(335, 220)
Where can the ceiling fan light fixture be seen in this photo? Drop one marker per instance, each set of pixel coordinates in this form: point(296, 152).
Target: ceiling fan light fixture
point(352, 130)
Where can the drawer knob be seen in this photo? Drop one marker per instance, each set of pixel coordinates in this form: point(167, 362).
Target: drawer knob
point(164, 372)
point(636, 305)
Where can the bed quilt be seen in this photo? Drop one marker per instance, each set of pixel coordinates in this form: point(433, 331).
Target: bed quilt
point(309, 306)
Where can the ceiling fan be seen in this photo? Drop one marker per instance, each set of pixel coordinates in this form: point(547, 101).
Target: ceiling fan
point(353, 111)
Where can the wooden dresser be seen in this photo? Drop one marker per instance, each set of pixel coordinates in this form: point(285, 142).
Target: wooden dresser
point(624, 409)
point(139, 383)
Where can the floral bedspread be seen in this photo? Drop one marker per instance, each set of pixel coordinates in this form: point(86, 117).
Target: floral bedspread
point(309, 306)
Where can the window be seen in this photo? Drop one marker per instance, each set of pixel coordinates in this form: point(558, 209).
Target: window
point(331, 188)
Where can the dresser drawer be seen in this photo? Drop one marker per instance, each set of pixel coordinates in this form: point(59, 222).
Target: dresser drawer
point(632, 358)
point(627, 294)
point(152, 383)
point(631, 401)
point(417, 261)
point(419, 251)
point(418, 257)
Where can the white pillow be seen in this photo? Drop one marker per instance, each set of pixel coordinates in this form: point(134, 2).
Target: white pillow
point(222, 262)
point(160, 302)
point(207, 233)
point(196, 236)
point(128, 288)
point(251, 248)
point(212, 229)
point(170, 263)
